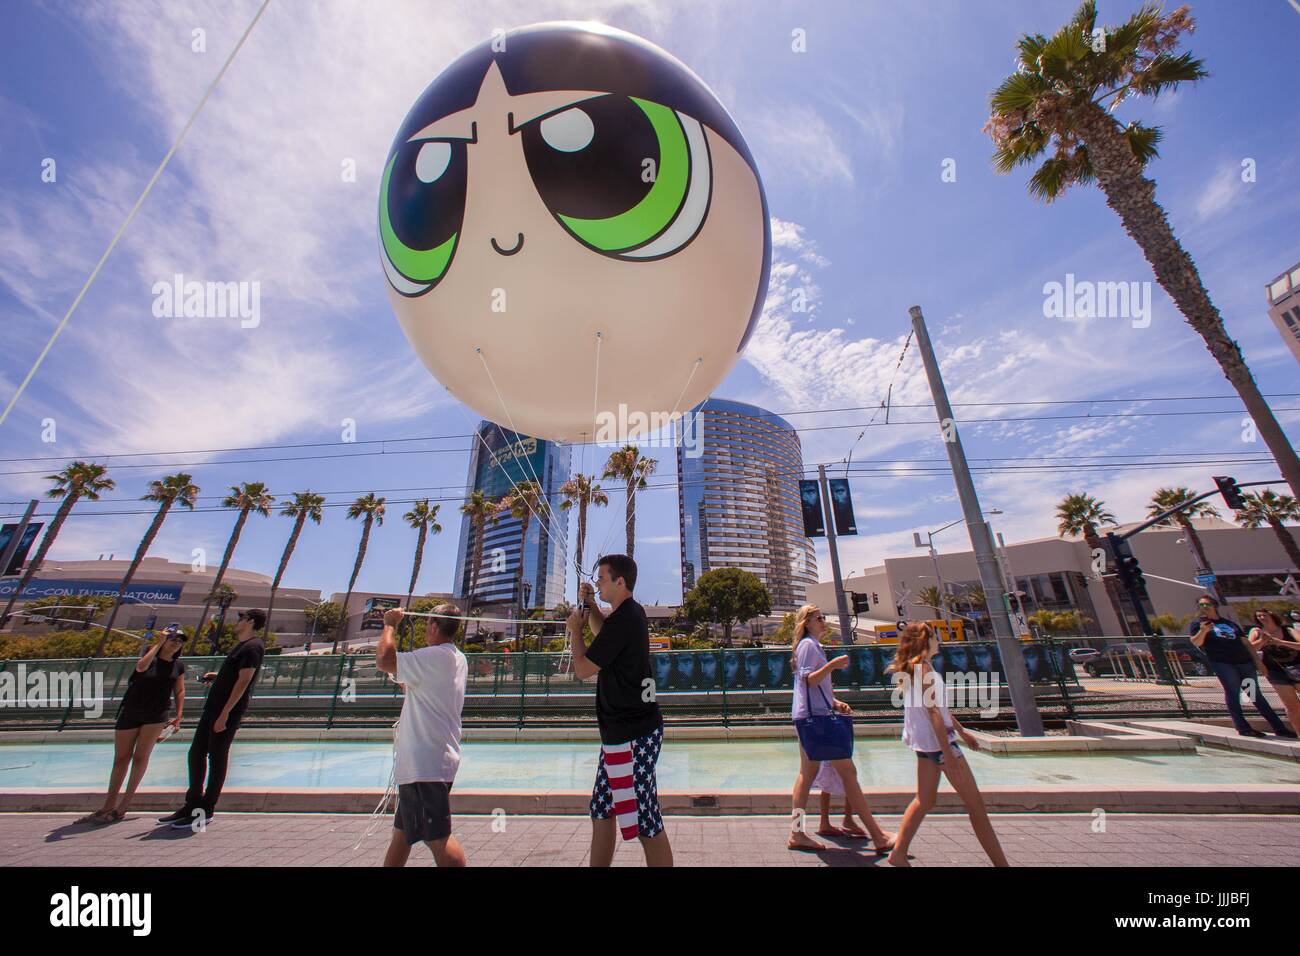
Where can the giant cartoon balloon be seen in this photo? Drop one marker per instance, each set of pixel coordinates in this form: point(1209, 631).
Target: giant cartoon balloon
point(567, 197)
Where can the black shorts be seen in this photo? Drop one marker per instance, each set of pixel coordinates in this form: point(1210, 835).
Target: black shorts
point(423, 811)
point(1290, 675)
point(128, 719)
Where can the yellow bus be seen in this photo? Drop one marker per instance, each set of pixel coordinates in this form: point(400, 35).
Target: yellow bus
point(945, 630)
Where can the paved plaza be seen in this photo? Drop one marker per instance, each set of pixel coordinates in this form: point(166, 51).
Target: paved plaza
point(271, 839)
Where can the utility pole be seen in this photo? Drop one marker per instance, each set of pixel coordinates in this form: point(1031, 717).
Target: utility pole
point(1028, 720)
point(841, 605)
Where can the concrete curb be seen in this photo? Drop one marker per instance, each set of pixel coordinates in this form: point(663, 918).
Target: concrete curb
point(1187, 798)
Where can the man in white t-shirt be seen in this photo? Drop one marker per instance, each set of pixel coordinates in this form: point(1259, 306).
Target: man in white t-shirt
point(428, 736)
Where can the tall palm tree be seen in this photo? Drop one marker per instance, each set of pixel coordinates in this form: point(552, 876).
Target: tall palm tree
point(1166, 498)
point(81, 479)
point(628, 465)
point(581, 490)
point(523, 502)
point(423, 517)
point(249, 497)
point(1080, 514)
point(177, 489)
point(480, 510)
point(1060, 101)
point(305, 505)
point(930, 596)
point(1267, 508)
point(371, 510)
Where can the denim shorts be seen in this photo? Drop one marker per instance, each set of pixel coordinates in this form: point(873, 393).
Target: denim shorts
point(936, 756)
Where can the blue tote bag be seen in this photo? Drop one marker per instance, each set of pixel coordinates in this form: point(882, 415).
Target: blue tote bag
point(827, 736)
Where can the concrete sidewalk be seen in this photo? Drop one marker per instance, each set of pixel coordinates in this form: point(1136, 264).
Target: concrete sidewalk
point(272, 839)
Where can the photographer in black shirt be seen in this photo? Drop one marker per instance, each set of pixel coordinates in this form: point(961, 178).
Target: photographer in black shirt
point(232, 686)
point(625, 798)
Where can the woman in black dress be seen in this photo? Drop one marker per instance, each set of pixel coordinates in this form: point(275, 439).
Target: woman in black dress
point(159, 674)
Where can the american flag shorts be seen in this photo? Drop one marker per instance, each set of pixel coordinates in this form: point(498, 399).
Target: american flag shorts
point(625, 786)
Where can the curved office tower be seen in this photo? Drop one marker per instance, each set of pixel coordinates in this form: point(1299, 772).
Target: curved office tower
point(738, 471)
point(498, 458)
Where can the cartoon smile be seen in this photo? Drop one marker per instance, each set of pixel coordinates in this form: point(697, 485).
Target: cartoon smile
point(519, 244)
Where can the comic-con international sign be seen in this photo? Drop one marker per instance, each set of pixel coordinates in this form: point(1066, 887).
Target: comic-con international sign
point(142, 593)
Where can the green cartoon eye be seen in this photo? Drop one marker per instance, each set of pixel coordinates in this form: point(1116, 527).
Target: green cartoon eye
point(625, 176)
point(421, 208)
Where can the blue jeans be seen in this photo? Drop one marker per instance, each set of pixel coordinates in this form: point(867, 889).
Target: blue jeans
point(1232, 676)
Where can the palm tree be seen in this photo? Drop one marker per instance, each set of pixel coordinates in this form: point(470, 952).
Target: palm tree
point(1079, 515)
point(629, 466)
point(222, 595)
point(1166, 498)
point(581, 490)
point(523, 502)
point(171, 490)
point(371, 510)
point(1057, 101)
point(305, 504)
point(423, 517)
point(1267, 508)
point(931, 597)
point(480, 510)
point(81, 479)
point(249, 497)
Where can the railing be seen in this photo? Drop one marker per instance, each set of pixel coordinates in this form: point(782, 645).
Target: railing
point(735, 685)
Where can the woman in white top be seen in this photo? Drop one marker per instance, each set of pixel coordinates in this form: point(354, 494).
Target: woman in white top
point(812, 691)
point(931, 731)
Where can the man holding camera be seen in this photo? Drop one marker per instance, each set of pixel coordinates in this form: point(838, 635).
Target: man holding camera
point(1224, 643)
point(626, 797)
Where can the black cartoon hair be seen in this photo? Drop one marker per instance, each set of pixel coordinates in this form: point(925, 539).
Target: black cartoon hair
point(580, 56)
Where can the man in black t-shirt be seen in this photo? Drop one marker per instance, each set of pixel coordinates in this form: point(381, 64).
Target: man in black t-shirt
point(626, 797)
point(223, 710)
point(1224, 643)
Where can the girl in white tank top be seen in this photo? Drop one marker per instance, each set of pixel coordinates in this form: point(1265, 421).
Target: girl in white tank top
point(931, 730)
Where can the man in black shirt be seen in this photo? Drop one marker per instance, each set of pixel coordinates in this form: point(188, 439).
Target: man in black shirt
point(1224, 643)
point(625, 798)
point(224, 708)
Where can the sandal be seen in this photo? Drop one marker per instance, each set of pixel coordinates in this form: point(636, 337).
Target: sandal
point(854, 832)
point(114, 816)
point(96, 817)
point(830, 832)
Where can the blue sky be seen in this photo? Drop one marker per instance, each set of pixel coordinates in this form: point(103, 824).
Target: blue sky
point(850, 137)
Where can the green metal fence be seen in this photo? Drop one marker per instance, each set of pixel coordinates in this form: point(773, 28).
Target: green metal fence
point(724, 686)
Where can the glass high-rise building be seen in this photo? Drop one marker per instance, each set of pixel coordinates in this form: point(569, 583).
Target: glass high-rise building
point(499, 459)
point(738, 471)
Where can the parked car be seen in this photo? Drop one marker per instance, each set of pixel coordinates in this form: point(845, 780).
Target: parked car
point(1081, 655)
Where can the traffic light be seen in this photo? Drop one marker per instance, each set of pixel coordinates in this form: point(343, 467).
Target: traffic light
point(1227, 486)
point(1130, 570)
point(1126, 565)
point(861, 602)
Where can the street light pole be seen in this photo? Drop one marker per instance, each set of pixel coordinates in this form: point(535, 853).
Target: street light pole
point(1028, 720)
point(934, 559)
point(841, 605)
